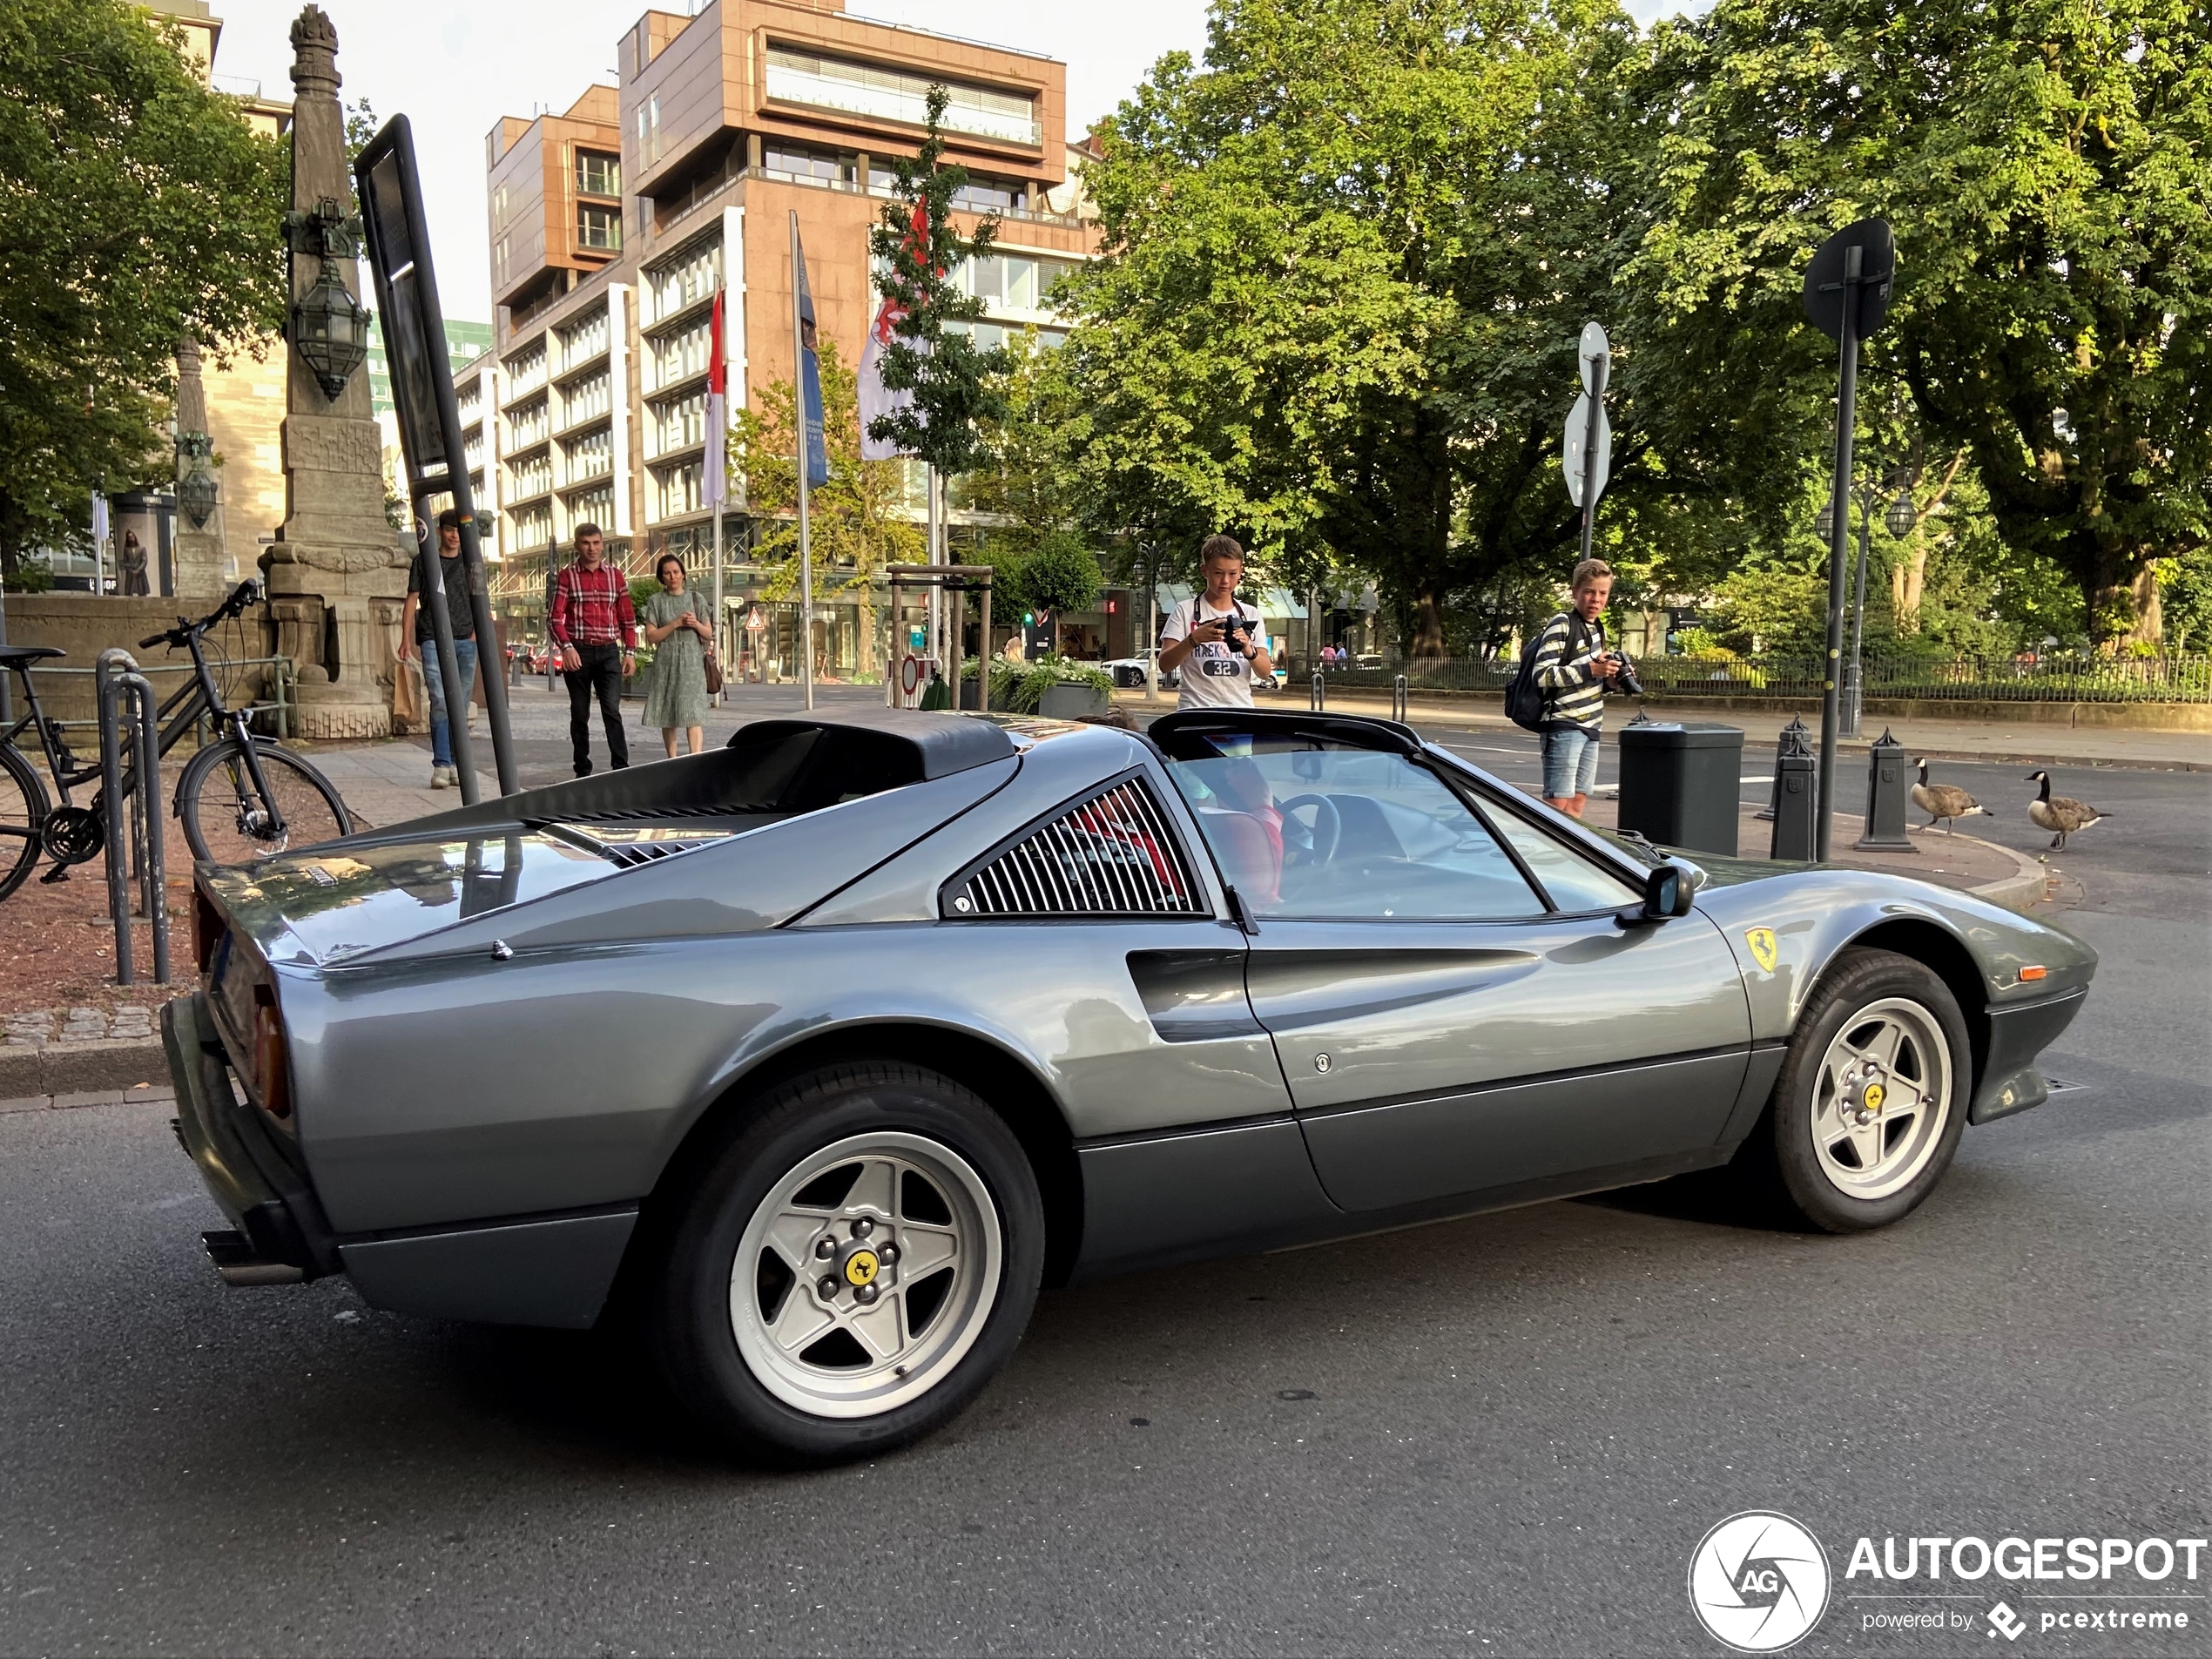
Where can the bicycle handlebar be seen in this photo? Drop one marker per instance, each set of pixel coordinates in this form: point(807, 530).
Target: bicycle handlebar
point(240, 597)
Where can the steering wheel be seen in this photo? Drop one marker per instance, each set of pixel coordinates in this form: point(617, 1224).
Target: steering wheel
point(1326, 831)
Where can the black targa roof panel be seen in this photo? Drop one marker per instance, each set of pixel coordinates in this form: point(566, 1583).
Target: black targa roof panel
point(905, 745)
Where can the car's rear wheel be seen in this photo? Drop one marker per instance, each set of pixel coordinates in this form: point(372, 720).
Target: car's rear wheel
point(1873, 1098)
point(850, 1267)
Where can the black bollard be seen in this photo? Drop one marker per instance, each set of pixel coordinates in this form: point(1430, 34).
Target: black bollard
point(1888, 791)
point(1794, 740)
point(1795, 798)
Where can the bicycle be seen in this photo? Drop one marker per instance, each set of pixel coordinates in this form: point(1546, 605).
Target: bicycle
point(241, 798)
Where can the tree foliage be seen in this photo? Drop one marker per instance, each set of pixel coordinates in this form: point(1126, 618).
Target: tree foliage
point(916, 246)
point(2043, 162)
point(136, 207)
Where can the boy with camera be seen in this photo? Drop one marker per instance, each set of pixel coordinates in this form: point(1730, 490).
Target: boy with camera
point(1575, 670)
point(1215, 637)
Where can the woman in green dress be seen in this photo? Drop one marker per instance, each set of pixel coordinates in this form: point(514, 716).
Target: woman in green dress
point(681, 639)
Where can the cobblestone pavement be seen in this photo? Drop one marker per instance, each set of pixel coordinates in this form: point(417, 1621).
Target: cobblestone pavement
point(38, 1027)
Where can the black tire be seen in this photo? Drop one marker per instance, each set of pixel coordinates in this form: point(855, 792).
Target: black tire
point(692, 1315)
point(225, 822)
point(1781, 1161)
point(23, 814)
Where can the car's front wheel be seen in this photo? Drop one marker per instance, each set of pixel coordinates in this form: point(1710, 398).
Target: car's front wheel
point(851, 1266)
point(1873, 1098)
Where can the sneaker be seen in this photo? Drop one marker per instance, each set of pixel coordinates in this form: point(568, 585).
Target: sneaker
point(441, 777)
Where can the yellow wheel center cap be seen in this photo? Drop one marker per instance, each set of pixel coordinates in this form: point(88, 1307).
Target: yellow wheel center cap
point(1875, 1095)
point(860, 1267)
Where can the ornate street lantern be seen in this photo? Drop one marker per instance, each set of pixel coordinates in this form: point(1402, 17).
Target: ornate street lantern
point(195, 485)
point(1901, 517)
point(1824, 526)
point(329, 326)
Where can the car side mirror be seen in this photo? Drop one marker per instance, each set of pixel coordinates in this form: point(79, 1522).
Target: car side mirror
point(1667, 892)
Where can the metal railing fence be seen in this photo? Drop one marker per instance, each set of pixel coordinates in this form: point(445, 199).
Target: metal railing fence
point(2183, 678)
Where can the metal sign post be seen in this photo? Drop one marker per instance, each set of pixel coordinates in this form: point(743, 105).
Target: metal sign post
point(398, 240)
point(1587, 460)
point(955, 580)
point(1846, 296)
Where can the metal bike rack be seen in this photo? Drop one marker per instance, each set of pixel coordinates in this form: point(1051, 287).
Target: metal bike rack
point(119, 679)
point(1398, 700)
point(1317, 699)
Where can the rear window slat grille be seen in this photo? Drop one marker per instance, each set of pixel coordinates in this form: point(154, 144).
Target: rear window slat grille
point(1109, 855)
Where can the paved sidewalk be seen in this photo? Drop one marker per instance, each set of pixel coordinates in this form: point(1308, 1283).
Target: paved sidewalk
point(384, 784)
point(2023, 741)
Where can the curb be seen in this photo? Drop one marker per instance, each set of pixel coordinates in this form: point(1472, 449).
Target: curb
point(27, 1072)
point(2029, 881)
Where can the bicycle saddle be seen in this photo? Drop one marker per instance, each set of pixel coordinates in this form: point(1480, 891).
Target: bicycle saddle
point(24, 655)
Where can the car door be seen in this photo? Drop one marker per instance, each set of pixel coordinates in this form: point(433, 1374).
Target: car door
point(1457, 1007)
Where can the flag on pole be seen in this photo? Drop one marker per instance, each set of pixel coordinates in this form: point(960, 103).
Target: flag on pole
point(810, 379)
point(876, 399)
point(714, 481)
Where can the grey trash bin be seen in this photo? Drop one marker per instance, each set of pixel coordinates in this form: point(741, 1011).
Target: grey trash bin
point(1679, 781)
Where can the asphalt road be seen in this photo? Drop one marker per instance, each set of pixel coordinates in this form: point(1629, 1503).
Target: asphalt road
point(1503, 1435)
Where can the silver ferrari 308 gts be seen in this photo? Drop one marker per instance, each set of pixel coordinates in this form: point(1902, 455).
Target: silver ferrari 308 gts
point(814, 1057)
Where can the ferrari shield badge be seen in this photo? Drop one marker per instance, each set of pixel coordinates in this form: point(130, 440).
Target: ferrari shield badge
point(1761, 940)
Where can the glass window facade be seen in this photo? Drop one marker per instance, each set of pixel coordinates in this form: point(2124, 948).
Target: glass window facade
point(888, 94)
point(597, 173)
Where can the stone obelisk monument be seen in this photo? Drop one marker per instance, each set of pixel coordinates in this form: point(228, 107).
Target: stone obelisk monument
point(198, 549)
point(337, 556)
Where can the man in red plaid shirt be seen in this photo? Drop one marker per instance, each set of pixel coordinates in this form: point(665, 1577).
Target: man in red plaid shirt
point(596, 629)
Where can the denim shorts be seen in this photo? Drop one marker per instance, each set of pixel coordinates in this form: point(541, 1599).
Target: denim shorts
point(1570, 763)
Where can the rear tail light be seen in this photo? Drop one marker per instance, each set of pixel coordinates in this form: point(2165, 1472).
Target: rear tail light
point(271, 1066)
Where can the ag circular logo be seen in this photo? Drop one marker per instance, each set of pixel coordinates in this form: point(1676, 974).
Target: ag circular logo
point(1758, 1581)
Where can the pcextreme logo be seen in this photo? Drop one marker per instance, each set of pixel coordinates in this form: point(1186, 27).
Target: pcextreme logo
point(1758, 1581)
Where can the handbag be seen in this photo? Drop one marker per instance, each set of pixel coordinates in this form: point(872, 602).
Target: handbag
point(410, 700)
point(713, 675)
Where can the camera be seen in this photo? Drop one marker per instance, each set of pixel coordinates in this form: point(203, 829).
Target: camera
point(1625, 684)
point(1235, 634)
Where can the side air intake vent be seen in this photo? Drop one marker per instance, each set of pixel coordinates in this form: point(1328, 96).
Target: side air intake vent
point(1111, 855)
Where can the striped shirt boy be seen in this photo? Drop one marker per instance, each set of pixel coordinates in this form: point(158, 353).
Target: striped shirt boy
point(1574, 693)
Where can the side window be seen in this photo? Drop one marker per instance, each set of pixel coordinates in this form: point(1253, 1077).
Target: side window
point(1574, 881)
point(1110, 855)
point(1306, 829)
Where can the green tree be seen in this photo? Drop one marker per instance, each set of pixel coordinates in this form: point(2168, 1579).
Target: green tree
point(2043, 163)
point(1346, 262)
point(136, 207)
point(950, 378)
point(856, 521)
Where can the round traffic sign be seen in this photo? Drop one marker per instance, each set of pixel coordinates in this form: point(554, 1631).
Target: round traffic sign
point(1827, 277)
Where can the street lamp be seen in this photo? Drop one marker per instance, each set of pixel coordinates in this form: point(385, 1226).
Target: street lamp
point(329, 326)
point(195, 488)
point(1902, 516)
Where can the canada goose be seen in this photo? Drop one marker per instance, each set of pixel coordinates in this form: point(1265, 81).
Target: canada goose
point(1946, 801)
point(2060, 813)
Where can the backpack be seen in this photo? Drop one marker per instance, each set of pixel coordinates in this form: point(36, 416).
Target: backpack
point(1525, 699)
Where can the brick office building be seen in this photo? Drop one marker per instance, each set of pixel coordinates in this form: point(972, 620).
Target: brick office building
point(612, 223)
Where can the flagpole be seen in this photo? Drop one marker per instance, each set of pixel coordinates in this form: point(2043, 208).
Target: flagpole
point(798, 400)
point(715, 485)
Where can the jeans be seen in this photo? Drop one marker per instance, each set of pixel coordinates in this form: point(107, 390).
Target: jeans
point(1570, 763)
point(601, 673)
point(464, 653)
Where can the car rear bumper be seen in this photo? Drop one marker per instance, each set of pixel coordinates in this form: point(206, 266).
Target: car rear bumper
point(281, 1237)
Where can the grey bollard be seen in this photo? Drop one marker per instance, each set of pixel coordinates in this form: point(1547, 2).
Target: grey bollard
point(1795, 740)
point(1398, 701)
point(1796, 799)
point(1317, 698)
point(1888, 791)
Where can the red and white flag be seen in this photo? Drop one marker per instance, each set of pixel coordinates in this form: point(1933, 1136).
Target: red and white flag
point(876, 399)
point(714, 476)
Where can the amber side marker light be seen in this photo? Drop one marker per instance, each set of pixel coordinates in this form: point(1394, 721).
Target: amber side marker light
point(271, 1065)
point(2029, 975)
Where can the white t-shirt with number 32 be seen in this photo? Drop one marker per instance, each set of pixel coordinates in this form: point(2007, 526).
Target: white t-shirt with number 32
point(1215, 676)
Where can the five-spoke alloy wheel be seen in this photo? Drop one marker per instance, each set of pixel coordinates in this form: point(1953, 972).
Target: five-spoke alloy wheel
point(852, 1258)
point(1873, 1098)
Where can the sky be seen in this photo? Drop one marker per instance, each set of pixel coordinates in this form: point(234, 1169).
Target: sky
point(455, 66)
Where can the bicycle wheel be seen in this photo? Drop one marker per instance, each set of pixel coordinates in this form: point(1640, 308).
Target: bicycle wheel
point(23, 813)
point(227, 822)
